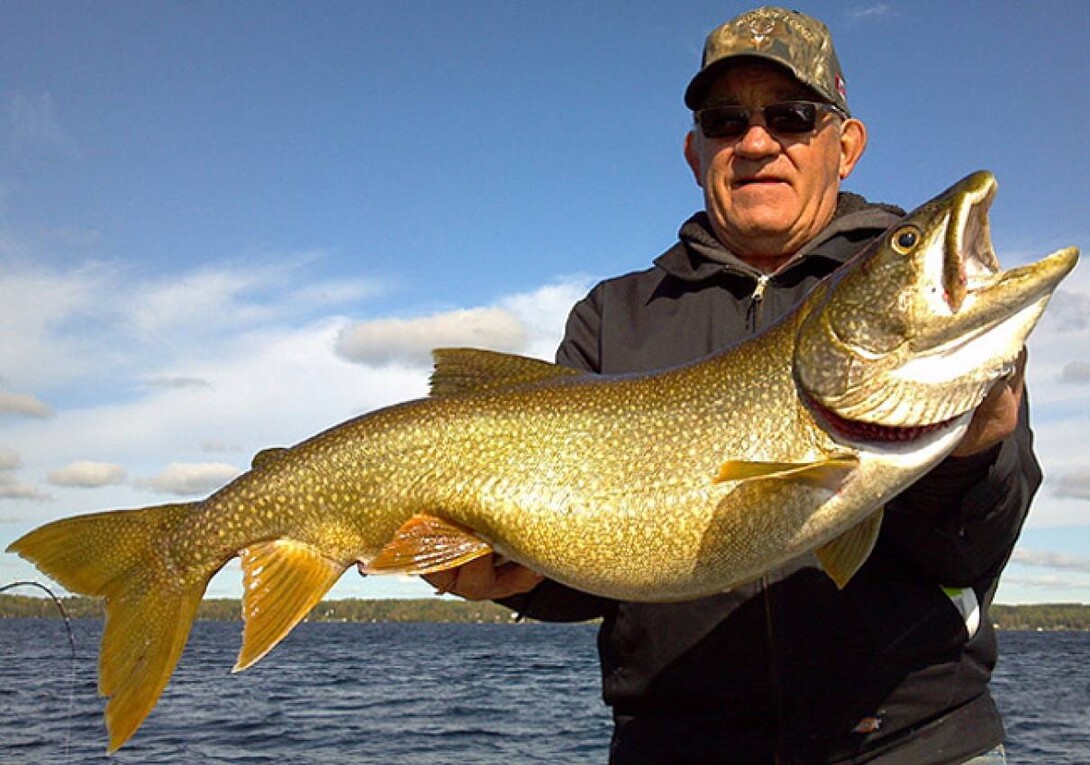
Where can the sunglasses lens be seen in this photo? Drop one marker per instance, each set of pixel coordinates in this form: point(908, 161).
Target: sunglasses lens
point(723, 121)
point(791, 117)
point(733, 121)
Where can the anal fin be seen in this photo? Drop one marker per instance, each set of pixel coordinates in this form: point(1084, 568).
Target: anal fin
point(426, 543)
point(842, 557)
point(282, 579)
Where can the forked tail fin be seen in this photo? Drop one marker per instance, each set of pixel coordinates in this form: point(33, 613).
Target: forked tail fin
point(150, 600)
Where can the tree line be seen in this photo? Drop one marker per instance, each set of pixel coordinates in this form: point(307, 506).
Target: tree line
point(227, 609)
point(1044, 616)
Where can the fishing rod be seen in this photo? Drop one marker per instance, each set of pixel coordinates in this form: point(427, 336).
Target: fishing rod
point(72, 645)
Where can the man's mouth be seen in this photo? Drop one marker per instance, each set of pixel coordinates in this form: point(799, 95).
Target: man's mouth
point(758, 181)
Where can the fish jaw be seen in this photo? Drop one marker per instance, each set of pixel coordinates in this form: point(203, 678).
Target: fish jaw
point(916, 329)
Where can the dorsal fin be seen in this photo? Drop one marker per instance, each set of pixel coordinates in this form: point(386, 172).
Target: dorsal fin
point(266, 457)
point(471, 370)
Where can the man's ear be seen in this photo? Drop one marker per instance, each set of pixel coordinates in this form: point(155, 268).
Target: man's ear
point(692, 157)
point(853, 141)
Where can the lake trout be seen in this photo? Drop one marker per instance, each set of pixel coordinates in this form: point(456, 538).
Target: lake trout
point(650, 487)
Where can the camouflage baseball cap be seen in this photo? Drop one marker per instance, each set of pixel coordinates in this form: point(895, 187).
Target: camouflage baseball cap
point(791, 39)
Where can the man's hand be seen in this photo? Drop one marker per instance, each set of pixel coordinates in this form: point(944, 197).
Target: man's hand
point(997, 415)
point(483, 579)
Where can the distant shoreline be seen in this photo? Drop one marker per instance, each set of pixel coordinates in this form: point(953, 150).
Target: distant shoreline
point(1046, 616)
point(230, 609)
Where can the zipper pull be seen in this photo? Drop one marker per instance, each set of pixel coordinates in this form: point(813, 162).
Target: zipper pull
point(755, 301)
point(759, 288)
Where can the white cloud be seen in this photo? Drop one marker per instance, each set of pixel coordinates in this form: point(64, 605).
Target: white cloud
point(544, 311)
point(32, 124)
point(61, 327)
point(185, 302)
point(1075, 485)
point(336, 293)
point(187, 479)
point(9, 460)
point(410, 341)
point(88, 475)
point(24, 404)
point(11, 487)
point(45, 318)
point(1059, 588)
point(212, 446)
point(1075, 372)
point(1044, 559)
point(1060, 405)
point(177, 382)
point(1069, 309)
point(860, 13)
point(530, 323)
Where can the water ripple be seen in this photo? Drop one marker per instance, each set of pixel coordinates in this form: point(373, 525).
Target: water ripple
point(416, 694)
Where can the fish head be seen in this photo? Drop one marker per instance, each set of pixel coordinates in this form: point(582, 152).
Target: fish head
point(914, 330)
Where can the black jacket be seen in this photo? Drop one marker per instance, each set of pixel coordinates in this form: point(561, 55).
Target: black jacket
point(789, 669)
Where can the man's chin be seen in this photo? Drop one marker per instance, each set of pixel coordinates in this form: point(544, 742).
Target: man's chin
point(771, 225)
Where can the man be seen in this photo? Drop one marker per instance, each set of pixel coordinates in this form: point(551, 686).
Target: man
point(892, 669)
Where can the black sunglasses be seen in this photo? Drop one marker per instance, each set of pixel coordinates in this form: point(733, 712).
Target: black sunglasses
point(731, 121)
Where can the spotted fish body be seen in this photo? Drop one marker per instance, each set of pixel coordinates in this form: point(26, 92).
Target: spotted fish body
point(655, 487)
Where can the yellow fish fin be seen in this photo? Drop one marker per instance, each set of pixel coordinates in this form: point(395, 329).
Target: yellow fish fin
point(119, 556)
point(424, 544)
point(842, 557)
point(267, 457)
point(282, 580)
point(829, 472)
point(469, 370)
point(141, 643)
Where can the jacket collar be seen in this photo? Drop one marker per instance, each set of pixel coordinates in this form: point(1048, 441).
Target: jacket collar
point(699, 255)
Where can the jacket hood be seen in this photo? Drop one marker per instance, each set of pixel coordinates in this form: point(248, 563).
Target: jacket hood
point(700, 255)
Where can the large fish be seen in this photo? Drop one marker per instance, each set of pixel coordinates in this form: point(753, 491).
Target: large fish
point(652, 487)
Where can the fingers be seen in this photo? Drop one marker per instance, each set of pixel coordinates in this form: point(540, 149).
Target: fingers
point(481, 579)
point(997, 416)
point(513, 579)
point(1017, 380)
point(485, 578)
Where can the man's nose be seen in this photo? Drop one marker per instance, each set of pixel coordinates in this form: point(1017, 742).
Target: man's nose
point(756, 142)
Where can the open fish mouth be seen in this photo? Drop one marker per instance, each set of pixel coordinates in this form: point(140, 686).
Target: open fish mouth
point(894, 357)
point(969, 261)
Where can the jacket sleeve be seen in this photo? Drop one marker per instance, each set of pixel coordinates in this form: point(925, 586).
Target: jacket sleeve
point(552, 601)
point(581, 347)
point(958, 524)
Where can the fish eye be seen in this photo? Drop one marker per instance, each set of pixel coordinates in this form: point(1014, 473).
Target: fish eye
point(905, 238)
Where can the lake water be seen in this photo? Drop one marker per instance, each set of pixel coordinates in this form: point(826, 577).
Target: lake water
point(417, 694)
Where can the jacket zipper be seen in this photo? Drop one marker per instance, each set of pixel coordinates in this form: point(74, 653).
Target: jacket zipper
point(781, 757)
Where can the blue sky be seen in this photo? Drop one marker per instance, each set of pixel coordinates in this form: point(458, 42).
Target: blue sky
point(225, 226)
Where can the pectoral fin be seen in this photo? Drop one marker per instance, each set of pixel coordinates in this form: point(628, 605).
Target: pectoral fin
point(829, 473)
point(425, 544)
point(842, 557)
point(282, 581)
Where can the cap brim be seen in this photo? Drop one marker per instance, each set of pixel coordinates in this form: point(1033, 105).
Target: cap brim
point(699, 85)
